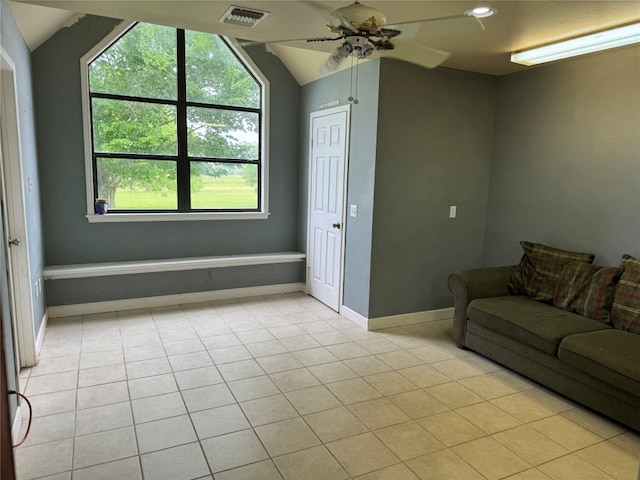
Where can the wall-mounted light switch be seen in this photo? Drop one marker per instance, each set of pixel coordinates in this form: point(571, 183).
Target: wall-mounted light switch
point(453, 211)
point(353, 211)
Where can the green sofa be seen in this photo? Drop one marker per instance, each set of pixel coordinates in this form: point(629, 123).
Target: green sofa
point(583, 359)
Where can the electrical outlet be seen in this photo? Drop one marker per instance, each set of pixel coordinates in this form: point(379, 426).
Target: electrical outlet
point(453, 211)
point(353, 211)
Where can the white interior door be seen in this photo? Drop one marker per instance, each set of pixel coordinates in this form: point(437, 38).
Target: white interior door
point(328, 158)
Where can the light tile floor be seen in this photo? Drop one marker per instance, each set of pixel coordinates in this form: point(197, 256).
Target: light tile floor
point(281, 387)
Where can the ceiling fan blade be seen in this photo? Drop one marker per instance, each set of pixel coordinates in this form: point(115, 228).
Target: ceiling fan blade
point(250, 43)
point(416, 54)
point(326, 47)
point(319, 45)
point(444, 26)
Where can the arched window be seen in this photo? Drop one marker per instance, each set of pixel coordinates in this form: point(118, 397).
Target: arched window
point(175, 124)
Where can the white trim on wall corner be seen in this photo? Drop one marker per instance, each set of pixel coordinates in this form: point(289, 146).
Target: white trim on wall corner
point(166, 300)
point(20, 286)
point(396, 320)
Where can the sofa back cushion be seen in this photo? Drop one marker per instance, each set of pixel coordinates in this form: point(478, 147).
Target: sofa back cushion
point(539, 270)
point(587, 290)
point(625, 311)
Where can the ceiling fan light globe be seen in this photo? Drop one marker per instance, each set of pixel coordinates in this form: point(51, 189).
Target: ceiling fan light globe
point(358, 14)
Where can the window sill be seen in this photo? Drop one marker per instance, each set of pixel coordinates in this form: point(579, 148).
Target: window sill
point(174, 217)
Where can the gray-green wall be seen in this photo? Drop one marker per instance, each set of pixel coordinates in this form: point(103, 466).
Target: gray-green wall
point(550, 155)
point(420, 141)
point(435, 135)
point(361, 175)
point(566, 164)
point(71, 239)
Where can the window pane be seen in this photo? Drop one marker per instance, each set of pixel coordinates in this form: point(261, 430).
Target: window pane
point(129, 184)
point(142, 63)
point(218, 133)
point(224, 185)
point(215, 75)
point(133, 127)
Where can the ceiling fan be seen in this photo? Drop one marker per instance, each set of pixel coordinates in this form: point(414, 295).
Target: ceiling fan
point(363, 33)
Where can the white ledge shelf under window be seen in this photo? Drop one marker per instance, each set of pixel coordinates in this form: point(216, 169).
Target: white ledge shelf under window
point(174, 217)
point(168, 265)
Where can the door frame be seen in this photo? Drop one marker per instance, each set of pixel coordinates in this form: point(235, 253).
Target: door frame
point(312, 116)
point(21, 290)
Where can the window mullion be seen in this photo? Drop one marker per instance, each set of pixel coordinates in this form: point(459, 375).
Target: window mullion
point(184, 174)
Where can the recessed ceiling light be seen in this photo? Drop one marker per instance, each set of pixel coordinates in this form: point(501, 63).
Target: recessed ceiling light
point(481, 12)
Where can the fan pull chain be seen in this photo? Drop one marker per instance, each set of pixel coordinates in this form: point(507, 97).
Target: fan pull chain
point(354, 99)
point(351, 98)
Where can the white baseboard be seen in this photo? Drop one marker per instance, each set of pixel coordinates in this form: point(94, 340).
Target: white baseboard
point(410, 318)
point(355, 317)
point(16, 426)
point(166, 300)
point(396, 320)
point(40, 336)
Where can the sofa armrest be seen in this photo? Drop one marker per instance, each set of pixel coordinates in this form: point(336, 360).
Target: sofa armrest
point(471, 284)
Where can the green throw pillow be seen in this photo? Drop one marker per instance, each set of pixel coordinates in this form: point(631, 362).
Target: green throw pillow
point(539, 270)
point(587, 290)
point(625, 312)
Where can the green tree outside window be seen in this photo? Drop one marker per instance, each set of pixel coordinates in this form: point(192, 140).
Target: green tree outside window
point(176, 120)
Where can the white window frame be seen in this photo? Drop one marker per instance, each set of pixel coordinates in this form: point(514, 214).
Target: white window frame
point(93, 217)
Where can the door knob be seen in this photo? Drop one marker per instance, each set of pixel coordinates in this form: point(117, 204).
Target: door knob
point(15, 242)
point(336, 225)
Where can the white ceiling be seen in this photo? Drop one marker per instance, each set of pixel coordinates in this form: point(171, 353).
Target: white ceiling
point(518, 25)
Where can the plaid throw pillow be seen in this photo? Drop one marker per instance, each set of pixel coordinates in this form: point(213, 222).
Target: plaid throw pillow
point(587, 290)
point(625, 312)
point(539, 270)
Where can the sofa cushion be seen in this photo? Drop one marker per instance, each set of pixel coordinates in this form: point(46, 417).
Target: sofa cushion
point(587, 290)
point(533, 323)
point(610, 355)
point(625, 311)
point(539, 270)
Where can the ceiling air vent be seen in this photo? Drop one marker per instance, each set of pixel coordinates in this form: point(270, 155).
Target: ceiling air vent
point(243, 16)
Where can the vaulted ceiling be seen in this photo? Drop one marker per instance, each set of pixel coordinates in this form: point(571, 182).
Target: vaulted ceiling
point(518, 25)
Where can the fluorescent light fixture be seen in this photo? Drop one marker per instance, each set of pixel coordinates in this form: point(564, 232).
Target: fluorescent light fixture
point(617, 37)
